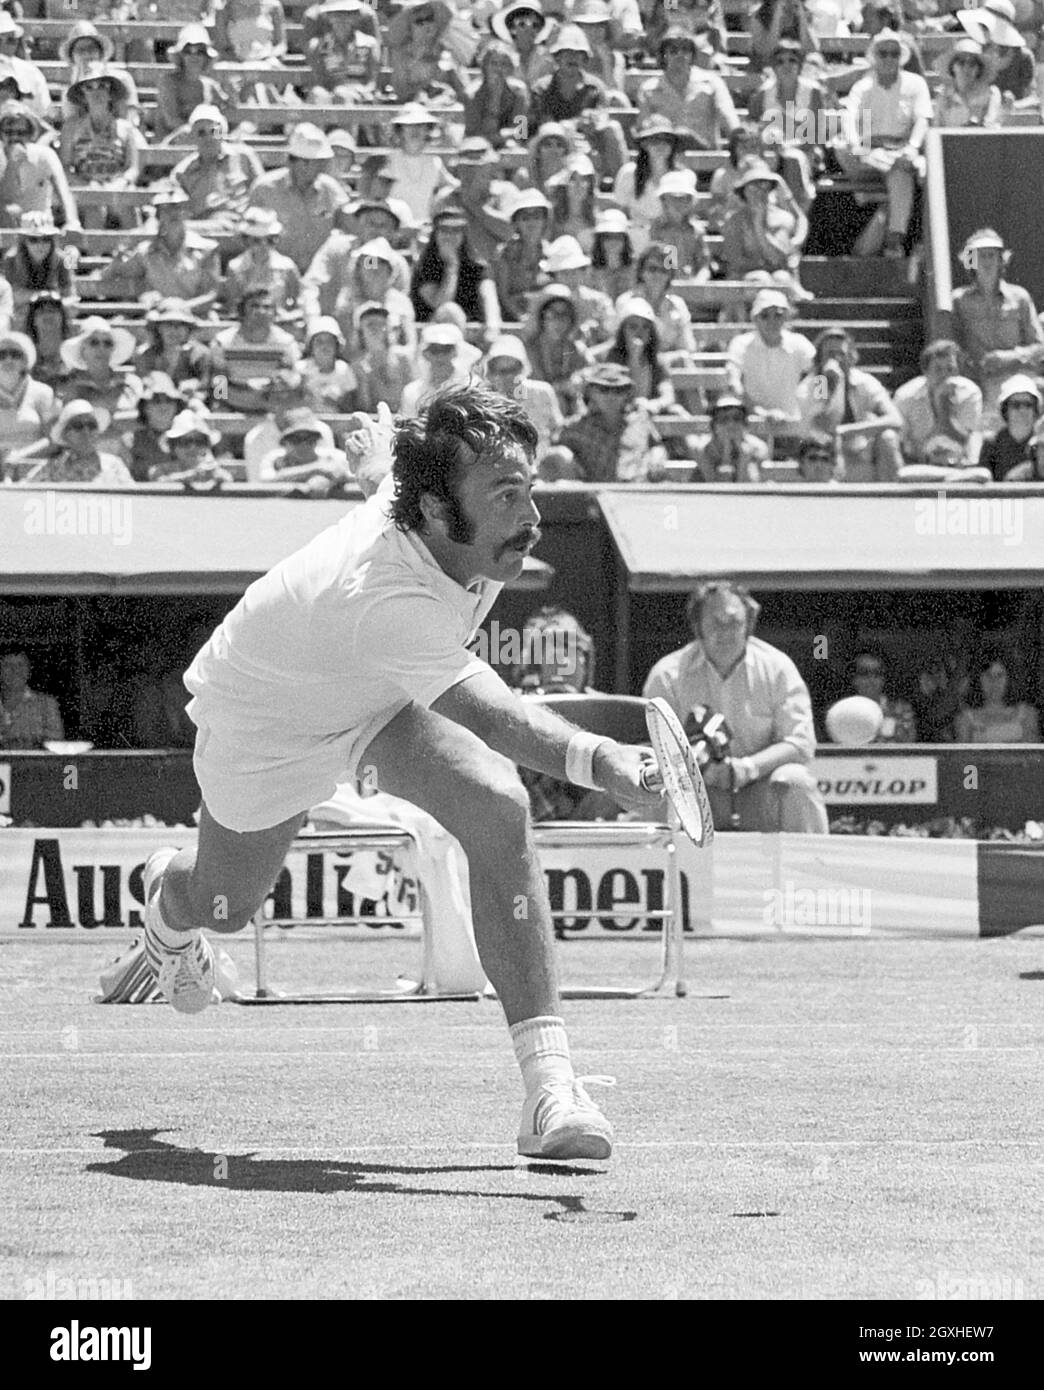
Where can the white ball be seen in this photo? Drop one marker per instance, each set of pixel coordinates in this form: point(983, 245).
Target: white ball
point(855, 720)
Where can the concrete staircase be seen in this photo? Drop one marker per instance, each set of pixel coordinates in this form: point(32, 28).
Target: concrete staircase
point(874, 300)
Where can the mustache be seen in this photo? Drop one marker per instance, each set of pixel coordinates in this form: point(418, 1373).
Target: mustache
point(530, 537)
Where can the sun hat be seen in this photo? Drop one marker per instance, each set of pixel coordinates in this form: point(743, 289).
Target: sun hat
point(413, 113)
point(757, 173)
point(611, 376)
point(340, 139)
point(499, 22)
point(206, 112)
point(340, 7)
point(159, 385)
point(441, 335)
point(476, 149)
point(118, 82)
point(656, 127)
point(86, 30)
point(74, 410)
point(612, 222)
point(578, 166)
point(326, 324)
point(18, 110)
point(123, 342)
point(769, 299)
point(171, 198)
point(375, 205)
point(510, 347)
point(966, 48)
point(38, 224)
point(1019, 385)
point(372, 306)
point(192, 36)
point(591, 12)
point(172, 310)
point(9, 73)
point(634, 307)
point(24, 345)
point(565, 253)
point(9, 25)
point(307, 141)
point(378, 249)
point(571, 39)
point(260, 222)
point(528, 198)
point(189, 422)
point(993, 20)
point(301, 420)
point(677, 183)
point(890, 36)
point(727, 403)
point(450, 216)
point(984, 239)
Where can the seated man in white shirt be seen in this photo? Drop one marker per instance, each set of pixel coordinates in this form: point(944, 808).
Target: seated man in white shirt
point(508, 371)
point(940, 402)
point(766, 365)
point(442, 348)
point(764, 784)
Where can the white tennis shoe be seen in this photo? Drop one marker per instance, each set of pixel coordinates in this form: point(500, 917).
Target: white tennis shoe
point(184, 974)
point(563, 1122)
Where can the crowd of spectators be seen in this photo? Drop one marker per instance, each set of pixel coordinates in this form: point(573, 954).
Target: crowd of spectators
point(298, 213)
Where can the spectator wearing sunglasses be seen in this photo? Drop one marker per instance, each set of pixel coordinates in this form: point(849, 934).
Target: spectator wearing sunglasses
point(967, 97)
point(219, 177)
point(75, 455)
point(31, 175)
point(189, 83)
point(1020, 407)
point(869, 678)
point(35, 264)
point(419, 64)
point(732, 454)
point(27, 407)
point(99, 145)
point(525, 27)
point(96, 358)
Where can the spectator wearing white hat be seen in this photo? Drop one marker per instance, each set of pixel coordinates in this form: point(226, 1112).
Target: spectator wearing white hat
point(995, 323)
point(767, 364)
point(554, 342)
point(97, 358)
point(189, 83)
point(304, 196)
point(415, 37)
point(178, 262)
point(304, 455)
point(523, 25)
point(329, 382)
point(261, 265)
point(370, 279)
point(595, 20)
point(31, 79)
point(31, 175)
point(693, 99)
point(191, 441)
point(173, 349)
point(569, 90)
point(1009, 63)
point(440, 349)
point(888, 115)
point(1031, 470)
point(144, 447)
point(1020, 405)
point(567, 263)
point(99, 145)
point(518, 273)
point(508, 371)
point(655, 272)
point(33, 265)
point(636, 346)
point(612, 253)
point(678, 226)
point(967, 97)
point(835, 394)
point(75, 455)
point(220, 176)
point(28, 408)
point(417, 175)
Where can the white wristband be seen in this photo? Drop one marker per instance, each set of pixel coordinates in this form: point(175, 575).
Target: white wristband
point(579, 760)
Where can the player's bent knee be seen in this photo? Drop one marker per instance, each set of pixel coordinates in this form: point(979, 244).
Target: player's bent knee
point(497, 806)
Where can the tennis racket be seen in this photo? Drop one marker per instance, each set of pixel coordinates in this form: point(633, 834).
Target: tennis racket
point(682, 779)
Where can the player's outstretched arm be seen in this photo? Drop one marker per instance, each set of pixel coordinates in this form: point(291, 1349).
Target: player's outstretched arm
point(532, 735)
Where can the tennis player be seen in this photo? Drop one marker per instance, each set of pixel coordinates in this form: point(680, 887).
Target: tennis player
point(349, 659)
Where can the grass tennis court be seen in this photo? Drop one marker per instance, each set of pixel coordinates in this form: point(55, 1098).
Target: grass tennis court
point(829, 1120)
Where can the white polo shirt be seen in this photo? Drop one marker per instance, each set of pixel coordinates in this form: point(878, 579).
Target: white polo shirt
point(317, 657)
point(767, 377)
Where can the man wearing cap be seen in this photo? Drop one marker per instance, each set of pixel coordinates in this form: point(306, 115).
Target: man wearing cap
point(940, 403)
point(261, 265)
point(766, 364)
point(693, 99)
point(569, 91)
point(304, 196)
point(508, 369)
point(888, 14)
point(219, 177)
point(732, 454)
point(888, 113)
point(441, 350)
point(995, 323)
point(31, 175)
point(613, 440)
point(176, 263)
point(304, 455)
point(1020, 405)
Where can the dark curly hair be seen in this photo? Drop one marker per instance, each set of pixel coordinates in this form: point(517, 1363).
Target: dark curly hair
point(431, 452)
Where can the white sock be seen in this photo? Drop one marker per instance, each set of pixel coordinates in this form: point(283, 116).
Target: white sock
point(542, 1049)
point(167, 935)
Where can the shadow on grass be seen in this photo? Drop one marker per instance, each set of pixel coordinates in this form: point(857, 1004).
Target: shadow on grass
point(144, 1157)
